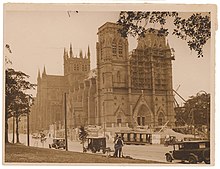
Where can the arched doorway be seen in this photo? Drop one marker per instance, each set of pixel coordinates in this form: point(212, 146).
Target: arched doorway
point(143, 116)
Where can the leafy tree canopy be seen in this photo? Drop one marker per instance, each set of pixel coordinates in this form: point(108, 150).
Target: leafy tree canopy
point(196, 110)
point(196, 29)
point(16, 100)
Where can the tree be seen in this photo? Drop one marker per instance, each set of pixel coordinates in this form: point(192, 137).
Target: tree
point(16, 100)
point(196, 29)
point(196, 111)
point(198, 107)
point(82, 136)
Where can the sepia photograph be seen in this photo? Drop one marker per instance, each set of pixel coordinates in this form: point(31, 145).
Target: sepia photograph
point(109, 84)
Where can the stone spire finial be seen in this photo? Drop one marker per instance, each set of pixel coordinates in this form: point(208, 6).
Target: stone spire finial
point(71, 50)
point(44, 72)
point(38, 74)
point(88, 53)
point(80, 54)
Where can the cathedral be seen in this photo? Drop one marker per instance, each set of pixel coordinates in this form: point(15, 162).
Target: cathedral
point(127, 89)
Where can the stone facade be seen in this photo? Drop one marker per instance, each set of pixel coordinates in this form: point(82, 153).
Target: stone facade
point(124, 90)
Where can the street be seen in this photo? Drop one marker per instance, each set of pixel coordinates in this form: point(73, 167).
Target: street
point(145, 152)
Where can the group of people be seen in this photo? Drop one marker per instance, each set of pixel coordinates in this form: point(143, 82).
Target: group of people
point(118, 144)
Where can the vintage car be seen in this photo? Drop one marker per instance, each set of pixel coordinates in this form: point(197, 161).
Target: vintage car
point(95, 144)
point(191, 151)
point(58, 143)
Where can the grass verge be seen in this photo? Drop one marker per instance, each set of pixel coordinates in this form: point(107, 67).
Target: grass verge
point(16, 153)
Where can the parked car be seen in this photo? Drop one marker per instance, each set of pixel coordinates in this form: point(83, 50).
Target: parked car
point(95, 144)
point(58, 143)
point(191, 151)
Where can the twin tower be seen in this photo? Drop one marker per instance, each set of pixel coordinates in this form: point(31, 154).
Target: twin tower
point(127, 89)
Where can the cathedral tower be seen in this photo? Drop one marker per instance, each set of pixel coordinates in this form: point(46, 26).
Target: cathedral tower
point(151, 73)
point(76, 68)
point(112, 68)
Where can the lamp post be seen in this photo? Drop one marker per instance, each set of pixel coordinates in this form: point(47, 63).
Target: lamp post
point(65, 121)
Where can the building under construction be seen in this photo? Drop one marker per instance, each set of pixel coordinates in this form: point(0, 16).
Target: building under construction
point(127, 89)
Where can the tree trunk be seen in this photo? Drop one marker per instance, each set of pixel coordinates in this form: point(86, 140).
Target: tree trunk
point(17, 132)
point(13, 130)
point(6, 128)
point(83, 146)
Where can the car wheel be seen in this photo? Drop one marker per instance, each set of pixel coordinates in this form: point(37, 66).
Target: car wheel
point(103, 151)
point(84, 150)
point(169, 158)
point(207, 161)
point(192, 159)
point(206, 156)
point(94, 150)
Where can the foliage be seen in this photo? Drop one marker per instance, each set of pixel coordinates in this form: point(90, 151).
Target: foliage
point(16, 100)
point(7, 60)
point(196, 110)
point(82, 134)
point(15, 97)
point(196, 30)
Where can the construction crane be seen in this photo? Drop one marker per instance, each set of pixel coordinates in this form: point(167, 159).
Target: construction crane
point(176, 103)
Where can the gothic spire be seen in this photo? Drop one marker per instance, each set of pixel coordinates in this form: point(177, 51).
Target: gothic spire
point(88, 53)
point(38, 74)
point(65, 54)
point(80, 54)
point(44, 72)
point(71, 50)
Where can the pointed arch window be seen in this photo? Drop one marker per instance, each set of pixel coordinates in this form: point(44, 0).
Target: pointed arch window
point(101, 51)
point(161, 119)
point(119, 120)
point(103, 78)
point(114, 48)
point(118, 76)
point(120, 49)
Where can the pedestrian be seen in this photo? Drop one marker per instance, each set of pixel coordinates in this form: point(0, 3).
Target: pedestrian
point(118, 147)
point(115, 138)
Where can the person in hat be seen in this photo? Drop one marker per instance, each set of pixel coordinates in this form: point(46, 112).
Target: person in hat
point(118, 146)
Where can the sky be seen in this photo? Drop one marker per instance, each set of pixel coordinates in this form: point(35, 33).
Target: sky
point(37, 39)
point(188, 86)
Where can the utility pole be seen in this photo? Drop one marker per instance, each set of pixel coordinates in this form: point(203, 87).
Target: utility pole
point(104, 117)
point(194, 125)
point(65, 121)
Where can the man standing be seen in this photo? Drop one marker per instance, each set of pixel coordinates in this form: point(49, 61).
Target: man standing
point(118, 147)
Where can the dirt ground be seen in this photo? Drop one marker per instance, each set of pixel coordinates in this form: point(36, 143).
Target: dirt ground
point(17, 153)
